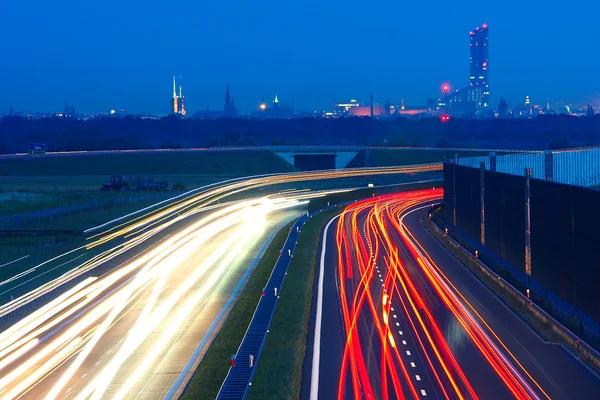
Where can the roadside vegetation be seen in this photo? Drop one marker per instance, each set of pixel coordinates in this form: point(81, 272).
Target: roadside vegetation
point(279, 370)
point(213, 368)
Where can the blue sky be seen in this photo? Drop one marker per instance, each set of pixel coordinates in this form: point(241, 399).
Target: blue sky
point(113, 54)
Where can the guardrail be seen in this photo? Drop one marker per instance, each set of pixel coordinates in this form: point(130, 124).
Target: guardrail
point(14, 222)
point(240, 374)
point(588, 352)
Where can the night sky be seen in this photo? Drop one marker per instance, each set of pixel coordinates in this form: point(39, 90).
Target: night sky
point(107, 54)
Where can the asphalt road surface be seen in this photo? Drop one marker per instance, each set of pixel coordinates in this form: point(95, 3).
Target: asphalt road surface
point(152, 289)
point(401, 318)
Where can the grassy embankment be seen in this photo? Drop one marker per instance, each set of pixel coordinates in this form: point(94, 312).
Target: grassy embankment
point(384, 157)
point(279, 369)
point(88, 172)
point(213, 368)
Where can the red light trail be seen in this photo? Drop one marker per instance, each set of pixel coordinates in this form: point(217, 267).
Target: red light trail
point(376, 284)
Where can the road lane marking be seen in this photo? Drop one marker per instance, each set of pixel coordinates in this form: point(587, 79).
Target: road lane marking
point(178, 382)
point(314, 380)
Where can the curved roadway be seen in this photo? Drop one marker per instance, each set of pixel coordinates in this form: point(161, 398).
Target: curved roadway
point(151, 290)
point(396, 316)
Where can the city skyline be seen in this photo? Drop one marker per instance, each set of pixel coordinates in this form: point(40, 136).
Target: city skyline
point(383, 51)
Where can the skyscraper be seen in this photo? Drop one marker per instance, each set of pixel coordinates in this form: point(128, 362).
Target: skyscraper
point(479, 60)
point(177, 102)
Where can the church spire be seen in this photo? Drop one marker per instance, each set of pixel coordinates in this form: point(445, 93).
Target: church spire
point(227, 108)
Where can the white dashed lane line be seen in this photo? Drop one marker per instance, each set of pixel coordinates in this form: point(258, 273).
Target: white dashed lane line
point(408, 353)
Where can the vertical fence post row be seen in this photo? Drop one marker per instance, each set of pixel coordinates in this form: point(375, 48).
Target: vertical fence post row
point(528, 173)
point(482, 189)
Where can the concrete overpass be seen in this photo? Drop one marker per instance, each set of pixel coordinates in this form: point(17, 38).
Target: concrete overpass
point(317, 157)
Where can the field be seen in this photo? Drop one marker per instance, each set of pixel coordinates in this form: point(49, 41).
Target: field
point(62, 192)
point(154, 163)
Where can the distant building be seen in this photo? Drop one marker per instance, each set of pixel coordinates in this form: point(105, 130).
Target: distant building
point(390, 109)
point(431, 106)
point(462, 103)
point(365, 111)
point(590, 111)
point(177, 101)
point(479, 67)
point(407, 111)
point(278, 110)
point(503, 109)
point(341, 109)
point(229, 110)
point(524, 110)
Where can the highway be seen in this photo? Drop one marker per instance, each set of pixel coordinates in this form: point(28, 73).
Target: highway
point(134, 305)
point(397, 317)
point(139, 318)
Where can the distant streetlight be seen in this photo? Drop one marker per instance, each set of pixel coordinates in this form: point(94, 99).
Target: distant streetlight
point(263, 106)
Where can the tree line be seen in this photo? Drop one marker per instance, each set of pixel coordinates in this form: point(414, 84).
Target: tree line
point(543, 132)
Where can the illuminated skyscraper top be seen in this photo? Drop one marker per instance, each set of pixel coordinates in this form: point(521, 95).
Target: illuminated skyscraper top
point(479, 79)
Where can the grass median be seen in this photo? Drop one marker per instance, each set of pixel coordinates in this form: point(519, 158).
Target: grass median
point(279, 370)
point(212, 370)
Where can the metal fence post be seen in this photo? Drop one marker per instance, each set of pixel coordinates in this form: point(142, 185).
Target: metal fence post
point(481, 187)
point(528, 174)
point(454, 188)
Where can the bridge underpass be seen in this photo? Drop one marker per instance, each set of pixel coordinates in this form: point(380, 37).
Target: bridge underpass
point(312, 160)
